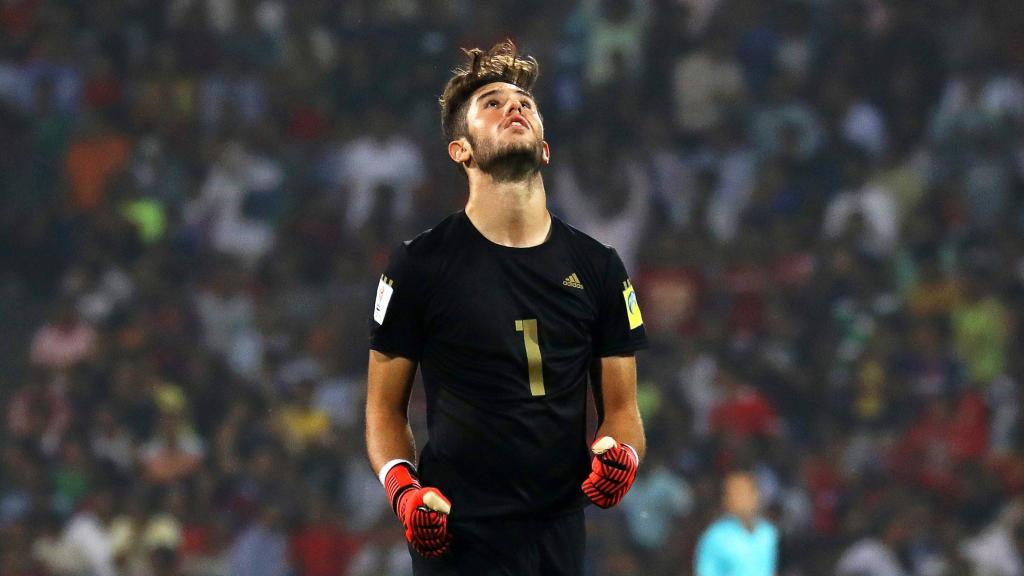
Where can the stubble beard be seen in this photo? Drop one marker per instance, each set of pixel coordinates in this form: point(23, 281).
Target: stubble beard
point(508, 162)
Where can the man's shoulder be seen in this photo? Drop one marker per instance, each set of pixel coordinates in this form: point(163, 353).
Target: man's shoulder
point(768, 529)
point(720, 528)
point(582, 241)
point(437, 239)
point(730, 525)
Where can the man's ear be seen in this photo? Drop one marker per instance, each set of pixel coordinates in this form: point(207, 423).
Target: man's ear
point(545, 157)
point(460, 151)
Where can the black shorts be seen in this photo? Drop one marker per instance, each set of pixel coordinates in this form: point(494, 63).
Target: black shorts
point(513, 547)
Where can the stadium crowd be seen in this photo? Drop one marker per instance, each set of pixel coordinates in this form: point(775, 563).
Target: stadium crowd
point(820, 202)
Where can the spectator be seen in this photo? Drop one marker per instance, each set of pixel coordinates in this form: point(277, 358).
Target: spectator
point(323, 546)
point(654, 504)
point(175, 451)
point(207, 557)
point(928, 369)
point(227, 204)
point(137, 533)
point(304, 425)
point(225, 311)
point(51, 137)
point(88, 534)
point(734, 165)
point(65, 341)
point(863, 210)
point(741, 410)
point(785, 121)
point(53, 553)
point(615, 38)
point(378, 171)
point(110, 442)
point(40, 412)
point(94, 157)
point(706, 83)
point(741, 542)
point(623, 207)
point(878, 556)
point(981, 332)
point(944, 438)
point(999, 549)
point(261, 549)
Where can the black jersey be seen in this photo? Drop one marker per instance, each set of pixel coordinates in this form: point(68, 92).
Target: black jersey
point(504, 338)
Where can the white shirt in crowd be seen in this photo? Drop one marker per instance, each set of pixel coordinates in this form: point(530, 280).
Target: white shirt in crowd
point(367, 164)
point(992, 553)
point(875, 205)
point(869, 557)
point(89, 538)
point(622, 230)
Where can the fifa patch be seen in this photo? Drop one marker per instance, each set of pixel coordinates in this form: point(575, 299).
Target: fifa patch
point(632, 307)
point(384, 291)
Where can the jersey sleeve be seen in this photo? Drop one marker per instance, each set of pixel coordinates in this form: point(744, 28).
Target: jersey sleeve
point(620, 324)
point(396, 321)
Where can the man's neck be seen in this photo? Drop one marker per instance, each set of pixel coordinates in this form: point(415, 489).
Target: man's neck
point(509, 213)
point(749, 522)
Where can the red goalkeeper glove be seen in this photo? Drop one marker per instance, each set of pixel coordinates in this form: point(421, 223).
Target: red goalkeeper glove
point(613, 470)
point(423, 511)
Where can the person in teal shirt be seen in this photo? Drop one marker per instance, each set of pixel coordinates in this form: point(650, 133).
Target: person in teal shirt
point(741, 542)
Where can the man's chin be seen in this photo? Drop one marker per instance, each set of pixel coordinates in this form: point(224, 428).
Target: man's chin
point(513, 164)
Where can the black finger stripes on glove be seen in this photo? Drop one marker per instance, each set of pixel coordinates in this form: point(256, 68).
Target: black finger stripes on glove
point(603, 494)
point(430, 532)
point(616, 464)
point(613, 479)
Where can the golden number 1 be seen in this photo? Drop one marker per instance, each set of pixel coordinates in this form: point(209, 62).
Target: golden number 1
point(532, 342)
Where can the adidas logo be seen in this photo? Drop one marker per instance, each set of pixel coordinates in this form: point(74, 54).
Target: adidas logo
point(572, 281)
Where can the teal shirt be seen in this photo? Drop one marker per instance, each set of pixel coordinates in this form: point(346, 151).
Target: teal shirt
point(727, 548)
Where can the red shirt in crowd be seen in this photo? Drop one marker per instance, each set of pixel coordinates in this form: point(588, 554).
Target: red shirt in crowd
point(323, 549)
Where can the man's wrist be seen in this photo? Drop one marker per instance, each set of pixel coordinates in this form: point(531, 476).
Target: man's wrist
point(382, 474)
point(399, 479)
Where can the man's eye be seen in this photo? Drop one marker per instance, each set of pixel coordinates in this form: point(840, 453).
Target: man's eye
point(491, 103)
point(527, 104)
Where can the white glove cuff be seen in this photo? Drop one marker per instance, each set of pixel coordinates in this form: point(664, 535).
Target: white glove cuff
point(383, 473)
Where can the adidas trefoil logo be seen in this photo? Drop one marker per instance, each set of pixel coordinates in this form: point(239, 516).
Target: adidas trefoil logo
point(572, 281)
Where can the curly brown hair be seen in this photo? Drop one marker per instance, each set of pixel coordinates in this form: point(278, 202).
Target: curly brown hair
point(501, 63)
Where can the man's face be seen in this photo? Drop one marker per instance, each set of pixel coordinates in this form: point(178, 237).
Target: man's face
point(505, 132)
point(741, 495)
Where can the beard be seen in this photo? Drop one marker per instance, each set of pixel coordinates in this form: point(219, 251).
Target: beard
point(508, 161)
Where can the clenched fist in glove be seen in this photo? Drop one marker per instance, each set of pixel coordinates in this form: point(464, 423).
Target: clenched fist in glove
point(423, 511)
point(613, 470)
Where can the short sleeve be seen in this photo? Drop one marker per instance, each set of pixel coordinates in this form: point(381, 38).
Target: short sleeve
point(620, 324)
point(396, 320)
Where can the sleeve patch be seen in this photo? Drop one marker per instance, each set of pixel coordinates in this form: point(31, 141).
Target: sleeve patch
point(632, 307)
point(384, 291)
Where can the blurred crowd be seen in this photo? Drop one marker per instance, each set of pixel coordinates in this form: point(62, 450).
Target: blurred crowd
point(820, 203)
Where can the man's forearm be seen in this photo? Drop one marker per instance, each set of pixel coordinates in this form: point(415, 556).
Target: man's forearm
point(625, 426)
point(388, 437)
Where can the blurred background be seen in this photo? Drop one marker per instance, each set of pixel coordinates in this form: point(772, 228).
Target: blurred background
point(820, 203)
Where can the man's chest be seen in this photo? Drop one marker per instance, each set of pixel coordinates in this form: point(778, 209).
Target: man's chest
point(489, 301)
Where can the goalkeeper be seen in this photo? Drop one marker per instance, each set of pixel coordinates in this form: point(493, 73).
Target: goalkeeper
point(508, 312)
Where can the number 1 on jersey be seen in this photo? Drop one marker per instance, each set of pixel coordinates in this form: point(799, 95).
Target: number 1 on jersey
point(531, 340)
